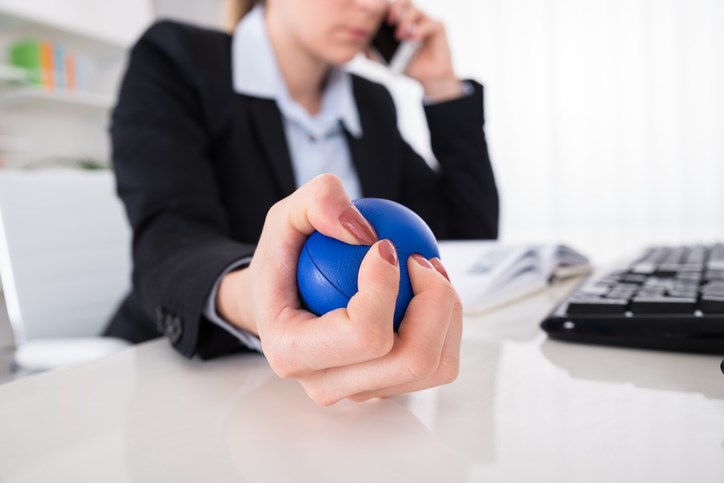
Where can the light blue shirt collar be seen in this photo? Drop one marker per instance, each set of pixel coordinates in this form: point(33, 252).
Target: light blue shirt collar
point(255, 72)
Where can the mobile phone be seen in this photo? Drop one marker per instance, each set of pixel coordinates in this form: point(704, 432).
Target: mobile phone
point(397, 55)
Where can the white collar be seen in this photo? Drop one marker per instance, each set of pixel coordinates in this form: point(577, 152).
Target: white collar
point(255, 72)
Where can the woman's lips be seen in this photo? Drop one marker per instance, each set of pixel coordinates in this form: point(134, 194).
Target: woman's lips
point(357, 33)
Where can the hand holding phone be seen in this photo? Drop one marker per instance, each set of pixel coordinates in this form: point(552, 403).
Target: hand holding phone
point(409, 41)
point(392, 52)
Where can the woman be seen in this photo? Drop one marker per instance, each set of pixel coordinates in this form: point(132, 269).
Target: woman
point(213, 134)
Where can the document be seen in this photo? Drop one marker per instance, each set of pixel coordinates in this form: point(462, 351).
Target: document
point(487, 274)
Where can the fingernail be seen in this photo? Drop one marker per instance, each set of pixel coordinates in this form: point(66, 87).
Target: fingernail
point(439, 267)
point(356, 224)
point(388, 252)
point(422, 260)
point(410, 29)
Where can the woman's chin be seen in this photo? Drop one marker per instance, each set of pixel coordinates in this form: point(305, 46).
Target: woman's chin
point(341, 56)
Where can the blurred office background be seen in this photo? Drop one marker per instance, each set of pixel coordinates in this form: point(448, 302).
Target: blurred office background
point(604, 117)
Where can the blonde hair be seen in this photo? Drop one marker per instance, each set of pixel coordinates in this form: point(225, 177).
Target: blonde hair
point(235, 11)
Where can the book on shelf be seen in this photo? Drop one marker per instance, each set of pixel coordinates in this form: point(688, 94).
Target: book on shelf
point(49, 64)
point(487, 274)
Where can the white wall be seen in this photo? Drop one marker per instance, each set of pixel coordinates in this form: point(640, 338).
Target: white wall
point(117, 21)
point(208, 13)
point(604, 117)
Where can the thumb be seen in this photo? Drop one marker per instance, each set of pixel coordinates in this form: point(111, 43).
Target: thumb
point(378, 283)
point(361, 332)
point(320, 204)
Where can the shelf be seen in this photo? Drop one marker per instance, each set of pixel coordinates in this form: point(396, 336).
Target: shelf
point(38, 96)
point(12, 75)
point(14, 24)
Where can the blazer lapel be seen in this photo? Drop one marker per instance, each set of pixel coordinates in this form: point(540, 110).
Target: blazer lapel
point(268, 128)
point(369, 156)
point(362, 155)
point(371, 159)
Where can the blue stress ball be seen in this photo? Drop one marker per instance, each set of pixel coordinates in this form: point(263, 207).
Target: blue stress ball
point(328, 268)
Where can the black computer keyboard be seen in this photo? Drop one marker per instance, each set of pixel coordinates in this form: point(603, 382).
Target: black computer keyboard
point(669, 298)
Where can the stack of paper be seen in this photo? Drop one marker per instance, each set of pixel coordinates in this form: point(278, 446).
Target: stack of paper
point(488, 274)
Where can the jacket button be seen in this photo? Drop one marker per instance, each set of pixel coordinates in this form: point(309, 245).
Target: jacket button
point(160, 320)
point(174, 329)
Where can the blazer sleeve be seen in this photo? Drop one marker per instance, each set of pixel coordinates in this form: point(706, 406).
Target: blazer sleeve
point(165, 178)
point(460, 201)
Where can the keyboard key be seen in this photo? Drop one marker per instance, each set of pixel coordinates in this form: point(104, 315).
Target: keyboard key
point(667, 270)
point(664, 305)
point(711, 304)
point(715, 265)
point(694, 267)
point(689, 275)
point(597, 306)
point(644, 268)
point(714, 275)
point(599, 290)
point(634, 278)
point(712, 292)
point(659, 282)
point(626, 286)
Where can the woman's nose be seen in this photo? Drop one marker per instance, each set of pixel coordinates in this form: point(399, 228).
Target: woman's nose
point(376, 6)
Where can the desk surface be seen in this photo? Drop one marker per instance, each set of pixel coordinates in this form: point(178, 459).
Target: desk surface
point(523, 409)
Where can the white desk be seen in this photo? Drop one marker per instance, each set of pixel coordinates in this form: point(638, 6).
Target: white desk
point(523, 409)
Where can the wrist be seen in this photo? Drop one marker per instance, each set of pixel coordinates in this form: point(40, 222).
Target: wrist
point(232, 301)
point(443, 88)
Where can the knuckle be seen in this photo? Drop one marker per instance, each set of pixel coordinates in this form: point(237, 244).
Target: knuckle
point(372, 329)
point(378, 285)
point(450, 294)
point(326, 191)
point(327, 184)
point(324, 178)
point(457, 307)
point(445, 296)
point(448, 290)
point(421, 364)
point(278, 366)
point(280, 369)
point(358, 398)
point(279, 362)
point(320, 397)
point(372, 338)
point(449, 370)
point(275, 211)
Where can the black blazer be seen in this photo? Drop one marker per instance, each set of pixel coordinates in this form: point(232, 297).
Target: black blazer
point(198, 166)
